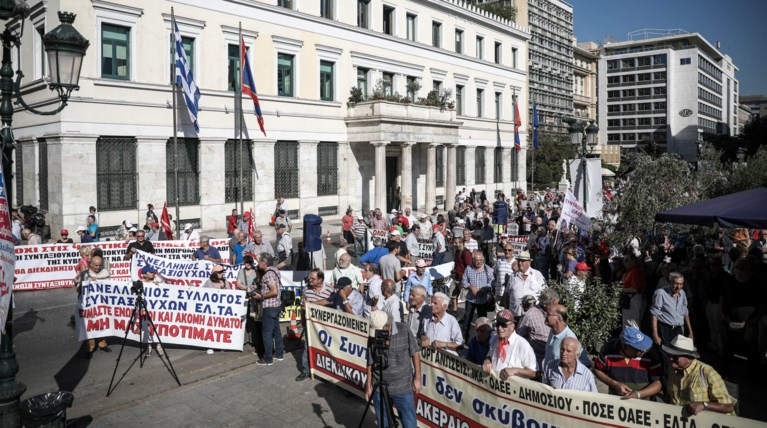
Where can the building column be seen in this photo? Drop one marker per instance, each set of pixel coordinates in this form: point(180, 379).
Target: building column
point(507, 167)
point(380, 171)
point(431, 176)
point(152, 183)
point(307, 178)
point(213, 192)
point(407, 176)
point(522, 167)
point(450, 178)
point(28, 177)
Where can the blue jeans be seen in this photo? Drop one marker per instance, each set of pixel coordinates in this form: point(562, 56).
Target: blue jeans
point(439, 258)
point(270, 327)
point(469, 315)
point(359, 246)
point(405, 407)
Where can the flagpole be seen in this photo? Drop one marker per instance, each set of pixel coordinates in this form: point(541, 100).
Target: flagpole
point(175, 129)
point(238, 121)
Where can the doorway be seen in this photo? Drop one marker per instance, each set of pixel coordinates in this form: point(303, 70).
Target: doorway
point(393, 194)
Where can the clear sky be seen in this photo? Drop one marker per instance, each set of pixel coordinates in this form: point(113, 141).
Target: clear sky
point(740, 26)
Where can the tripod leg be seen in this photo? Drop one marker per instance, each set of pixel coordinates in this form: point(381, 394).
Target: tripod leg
point(387, 406)
point(159, 340)
point(122, 347)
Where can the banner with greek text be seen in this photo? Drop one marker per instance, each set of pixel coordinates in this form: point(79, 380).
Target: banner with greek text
point(457, 393)
point(201, 317)
point(573, 213)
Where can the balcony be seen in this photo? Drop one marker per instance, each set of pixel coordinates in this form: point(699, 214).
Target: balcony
point(394, 110)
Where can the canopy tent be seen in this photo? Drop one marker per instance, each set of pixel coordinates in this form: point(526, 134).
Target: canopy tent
point(742, 209)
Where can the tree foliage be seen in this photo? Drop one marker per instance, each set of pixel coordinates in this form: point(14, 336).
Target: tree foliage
point(717, 177)
point(501, 8)
point(554, 149)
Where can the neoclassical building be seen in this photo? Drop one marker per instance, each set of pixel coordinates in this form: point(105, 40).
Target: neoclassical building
point(113, 147)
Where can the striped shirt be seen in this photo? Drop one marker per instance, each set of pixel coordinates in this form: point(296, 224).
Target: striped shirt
point(471, 245)
point(271, 277)
point(311, 295)
point(636, 373)
point(502, 268)
point(533, 327)
point(359, 229)
point(581, 380)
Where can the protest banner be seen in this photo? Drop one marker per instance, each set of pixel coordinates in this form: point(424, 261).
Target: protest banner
point(457, 393)
point(201, 317)
point(573, 213)
point(7, 255)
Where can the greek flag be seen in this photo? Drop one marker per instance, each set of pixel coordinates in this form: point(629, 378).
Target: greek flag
point(185, 79)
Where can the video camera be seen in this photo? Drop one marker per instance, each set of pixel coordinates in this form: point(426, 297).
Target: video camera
point(250, 294)
point(137, 287)
point(379, 345)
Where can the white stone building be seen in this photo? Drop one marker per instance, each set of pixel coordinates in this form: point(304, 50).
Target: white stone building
point(112, 146)
point(671, 89)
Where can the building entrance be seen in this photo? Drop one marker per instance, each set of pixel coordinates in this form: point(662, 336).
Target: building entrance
point(393, 193)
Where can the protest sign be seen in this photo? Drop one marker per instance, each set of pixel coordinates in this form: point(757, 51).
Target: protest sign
point(573, 213)
point(457, 393)
point(202, 317)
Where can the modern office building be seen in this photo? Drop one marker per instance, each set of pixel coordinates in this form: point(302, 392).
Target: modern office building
point(112, 147)
point(756, 103)
point(672, 89)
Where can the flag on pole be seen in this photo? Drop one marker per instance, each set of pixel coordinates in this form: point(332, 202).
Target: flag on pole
point(517, 124)
point(7, 253)
point(251, 226)
point(165, 222)
point(536, 145)
point(249, 86)
point(185, 79)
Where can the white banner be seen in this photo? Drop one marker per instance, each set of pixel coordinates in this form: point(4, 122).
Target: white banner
point(593, 184)
point(7, 255)
point(202, 317)
point(572, 213)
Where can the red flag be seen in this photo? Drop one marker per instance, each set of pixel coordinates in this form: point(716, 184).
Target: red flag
point(251, 226)
point(165, 222)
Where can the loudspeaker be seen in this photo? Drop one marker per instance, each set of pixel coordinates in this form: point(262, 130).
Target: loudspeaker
point(312, 233)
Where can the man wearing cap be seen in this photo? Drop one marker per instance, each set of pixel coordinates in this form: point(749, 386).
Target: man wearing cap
point(420, 277)
point(426, 227)
point(526, 281)
point(669, 315)
point(282, 220)
point(419, 309)
point(65, 239)
point(207, 252)
point(479, 345)
point(692, 383)
point(441, 331)
point(402, 374)
point(630, 366)
point(510, 354)
point(244, 222)
point(577, 282)
point(347, 299)
point(440, 246)
point(395, 235)
point(532, 326)
point(189, 234)
point(567, 372)
point(141, 243)
point(359, 229)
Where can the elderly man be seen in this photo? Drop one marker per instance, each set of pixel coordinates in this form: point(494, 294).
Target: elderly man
point(419, 309)
point(359, 230)
point(189, 233)
point(141, 243)
point(410, 217)
point(269, 295)
point(510, 354)
point(420, 277)
point(461, 259)
point(374, 255)
point(392, 303)
point(479, 345)
point(469, 242)
point(316, 292)
point(692, 383)
point(441, 331)
point(238, 249)
point(379, 221)
point(526, 281)
point(566, 372)
point(259, 245)
point(346, 269)
point(206, 251)
point(389, 264)
point(95, 272)
point(478, 280)
point(630, 366)
point(32, 238)
point(532, 326)
point(669, 316)
point(402, 374)
point(372, 291)
point(347, 299)
point(283, 246)
point(556, 319)
point(425, 227)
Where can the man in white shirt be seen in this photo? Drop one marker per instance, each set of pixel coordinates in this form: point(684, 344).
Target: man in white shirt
point(441, 331)
point(425, 226)
point(345, 268)
point(410, 217)
point(526, 281)
point(189, 233)
point(510, 354)
point(469, 243)
point(392, 304)
point(373, 295)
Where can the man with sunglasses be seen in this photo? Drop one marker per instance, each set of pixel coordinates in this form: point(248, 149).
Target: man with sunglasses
point(141, 243)
point(630, 366)
point(510, 354)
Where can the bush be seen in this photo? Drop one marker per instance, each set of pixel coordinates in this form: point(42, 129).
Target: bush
point(355, 96)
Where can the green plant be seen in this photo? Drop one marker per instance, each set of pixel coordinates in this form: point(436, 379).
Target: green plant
point(598, 311)
point(395, 97)
point(413, 87)
point(379, 90)
point(439, 99)
point(355, 96)
point(501, 8)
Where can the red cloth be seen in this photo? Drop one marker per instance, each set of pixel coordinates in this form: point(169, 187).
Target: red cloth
point(502, 349)
point(634, 279)
point(251, 226)
point(232, 224)
point(165, 222)
point(346, 223)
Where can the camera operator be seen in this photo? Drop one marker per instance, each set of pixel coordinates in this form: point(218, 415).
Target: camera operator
point(403, 380)
point(316, 292)
point(149, 276)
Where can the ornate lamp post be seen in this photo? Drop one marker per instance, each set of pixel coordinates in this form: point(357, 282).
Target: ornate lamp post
point(65, 48)
point(584, 145)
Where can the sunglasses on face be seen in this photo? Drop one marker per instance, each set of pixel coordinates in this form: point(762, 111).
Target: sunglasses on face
point(501, 324)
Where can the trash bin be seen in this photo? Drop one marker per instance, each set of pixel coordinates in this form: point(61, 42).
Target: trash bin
point(46, 410)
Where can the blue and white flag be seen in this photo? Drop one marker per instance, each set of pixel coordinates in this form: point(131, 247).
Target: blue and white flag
point(185, 79)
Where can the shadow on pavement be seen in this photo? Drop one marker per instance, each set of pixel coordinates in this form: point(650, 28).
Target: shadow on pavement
point(26, 322)
point(69, 376)
point(81, 422)
point(342, 407)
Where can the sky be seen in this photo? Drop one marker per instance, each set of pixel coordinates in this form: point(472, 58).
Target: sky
point(740, 26)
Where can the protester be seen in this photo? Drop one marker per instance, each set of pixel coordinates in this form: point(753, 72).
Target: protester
point(419, 309)
point(346, 298)
point(207, 251)
point(316, 292)
point(479, 345)
point(269, 295)
point(526, 281)
point(346, 269)
point(65, 239)
point(461, 259)
point(96, 272)
point(359, 229)
point(510, 354)
point(440, 246)
point(630, 366)
point(567, 372)
point(669, 314)
point(420, 277)
point(390, 265)
point(478, 280)
point(633, 286)
point(374, 255)
point(31, 238)
point(533, 327)
point(372, 290)
point(283, 246)
point(189, 233)
point(556, 319)
point(392, 304)
point(237, 250)
point(441, 331)
point(141, 244)
point(216, 279)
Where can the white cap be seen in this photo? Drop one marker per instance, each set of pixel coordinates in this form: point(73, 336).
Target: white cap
point(359, 217)
point(82, 229)
point(132, 229)
point(128, 224)
point(187, 226)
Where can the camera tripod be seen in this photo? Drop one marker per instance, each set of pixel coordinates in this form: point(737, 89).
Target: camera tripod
point(381, 388)
point(141, 314)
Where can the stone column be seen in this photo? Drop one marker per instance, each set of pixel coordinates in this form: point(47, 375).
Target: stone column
point(380, 174)
point(307, 178)
point(431, 176)
point(450, 178)
point(522, 167)
point(152, 185)
point(507, 166)
point(213, 192)
point(407, 175)
point(30, 167)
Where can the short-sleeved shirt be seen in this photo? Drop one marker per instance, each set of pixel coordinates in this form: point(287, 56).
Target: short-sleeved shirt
point(533, 327)
point(239, 251)
point(554, 342)
point(581, 380)
point(389, 266)
point(311, 295)
point(402, 347)
point(413, 280)
point(444, 330)
point(518, 354)
point(211, 252)
point(355, 301)
point(532, 285)
point(147, 247)
point(636, 373)
point(482, 279)
point(271, 276)
point(698, 382)
point(667, 308)
point(374, 256)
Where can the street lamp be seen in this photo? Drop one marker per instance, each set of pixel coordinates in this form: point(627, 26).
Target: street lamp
point(584, 145)
point(65, 48)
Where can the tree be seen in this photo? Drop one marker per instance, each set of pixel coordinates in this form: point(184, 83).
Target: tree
point(554, 149)
point(718, 177)
point(501, 8)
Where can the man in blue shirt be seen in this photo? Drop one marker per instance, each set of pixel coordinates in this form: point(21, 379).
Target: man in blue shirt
point(239, 248)
point(420, 277)
point(207, 252)
point(374, 256)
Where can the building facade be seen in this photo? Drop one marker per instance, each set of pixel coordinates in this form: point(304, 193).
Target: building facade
point(756, 103)
point(670, 89)
point(113, 146)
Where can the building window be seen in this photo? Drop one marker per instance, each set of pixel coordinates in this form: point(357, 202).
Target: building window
point(612, 64)
point(410, 82)
point(643, 121)
point(459, 41)
point(498, 162)
point(285, 75)
point(659, 106)
point(659, 90)
point(643, 92)
point(287, 4)
point(440, 168)
point(514, 57)
point(115, 52)
point(362, 81)
point(643, 61)
point(326, 9)
point(629, 78)
point(116, 173)
point(286, 169)
point(40, 71)
point(659, 120)
point(388, 20)
point(238, 158)
point(42, 174)
point(188, 44)
point(659, 59)
point(460, 166)
point(643, 107)
point(188, 171)
point(614, 137)
point(327, 169)
point(685, 61)
point(388, 83)
point(411, 26)
point(480, 47)
point(363, 13)
point(480, 99)
point(436, 86)
point(436, 34)
point(659, 75)
point(458, 99)
point(498, 50)
point(613, 80)
point(479, 165)
point(233, 73)
point(497, 105)
point(326, 80)
point(627, 63)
